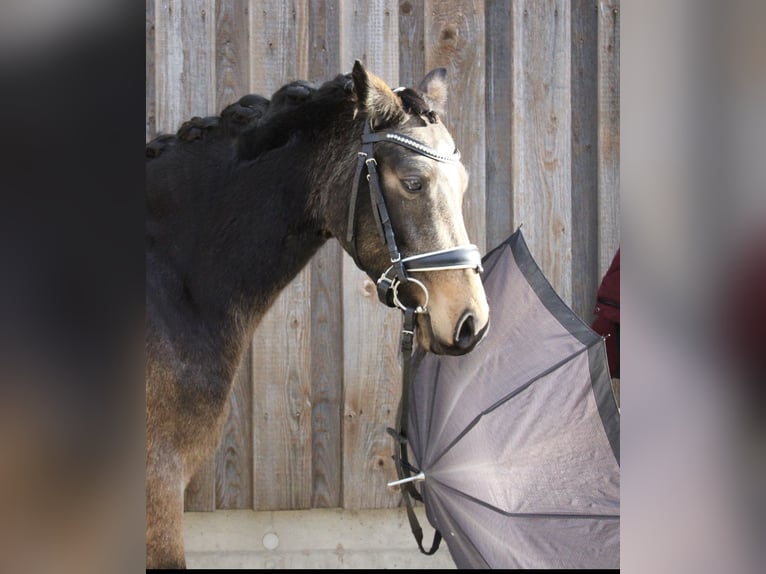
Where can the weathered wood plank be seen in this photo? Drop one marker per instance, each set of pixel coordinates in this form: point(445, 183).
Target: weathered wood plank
point(234, 458)
point(499, 216)
point(232, 41)
point(282, 402)
point(541, 132)
point(278, 43)
point(369, 32)
point(372, 376)
point(281, 345)
point(185, 72)
point(411, 42)
point(327, 376)
point(326, 299)
point(584, 157)
point(609, 132)
point(454, 38)
point(199, 495)
point(151, 129)
point(324, 40)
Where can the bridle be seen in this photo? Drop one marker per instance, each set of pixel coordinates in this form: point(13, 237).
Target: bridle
point(460, 257)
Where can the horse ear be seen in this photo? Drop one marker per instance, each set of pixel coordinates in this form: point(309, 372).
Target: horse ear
point(376, 98)
point(434, 88)
point(359, 75)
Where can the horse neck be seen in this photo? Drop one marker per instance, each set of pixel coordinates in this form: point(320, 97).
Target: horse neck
point(332, 171)
point(312, 187)
point(274, 238)
point(239, 233)
point(242, 230)
point(312, 183)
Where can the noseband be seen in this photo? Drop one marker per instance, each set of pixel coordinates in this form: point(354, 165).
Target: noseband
point(461, 257)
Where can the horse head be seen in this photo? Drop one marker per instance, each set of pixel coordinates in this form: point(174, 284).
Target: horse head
point(405, 225)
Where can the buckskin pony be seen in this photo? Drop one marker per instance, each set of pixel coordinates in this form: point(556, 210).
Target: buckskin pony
point(238, 204)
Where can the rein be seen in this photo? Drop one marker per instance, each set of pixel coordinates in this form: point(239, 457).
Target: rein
point(460, 257)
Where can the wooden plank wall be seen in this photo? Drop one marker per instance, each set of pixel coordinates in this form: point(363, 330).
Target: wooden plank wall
point(534, 107)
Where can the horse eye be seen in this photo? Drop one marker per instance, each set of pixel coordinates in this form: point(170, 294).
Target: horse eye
point(413, 184)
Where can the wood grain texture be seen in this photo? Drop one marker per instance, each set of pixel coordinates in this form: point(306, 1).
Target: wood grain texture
point(326, 299)
point(372, 390)
point(326, 376)
point(369, 32)
point(234, 458)
point(608, 132)
point(185, 75)
point(282, 343)
point(282, 402)
point(151, 128)
point(324, 40)
point(541, 135)
point(499, 161)
point(412, 65)
point(371, 372)
point(455, 40)
point(200, 492)
point(278, 43)
point(585, 278)
point(232, 55)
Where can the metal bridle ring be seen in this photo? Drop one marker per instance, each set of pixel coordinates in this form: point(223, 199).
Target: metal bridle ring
point(395, 287)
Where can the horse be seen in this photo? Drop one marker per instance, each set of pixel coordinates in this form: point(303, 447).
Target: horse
point(237, 205)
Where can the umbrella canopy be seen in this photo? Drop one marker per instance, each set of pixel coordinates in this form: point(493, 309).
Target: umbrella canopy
point(519, 439)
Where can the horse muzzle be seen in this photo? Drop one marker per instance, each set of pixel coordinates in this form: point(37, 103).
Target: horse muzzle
point(471, 325)
point(466, 336)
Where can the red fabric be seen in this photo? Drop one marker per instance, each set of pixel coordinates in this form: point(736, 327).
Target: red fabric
point(742, 312)
point(607, 310)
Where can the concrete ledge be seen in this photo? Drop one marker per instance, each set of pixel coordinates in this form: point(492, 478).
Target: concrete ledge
point(317, 538)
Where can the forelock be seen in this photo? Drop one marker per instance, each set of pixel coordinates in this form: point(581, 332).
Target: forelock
point(414, 103)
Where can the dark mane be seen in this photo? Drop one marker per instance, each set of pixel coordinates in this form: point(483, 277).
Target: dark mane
point(245, 115)
point(233, 120)
point(299, 107)
point(296, 107)
point(258, 124)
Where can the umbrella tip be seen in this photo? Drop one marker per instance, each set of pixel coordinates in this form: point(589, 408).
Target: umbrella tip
point(420, 476)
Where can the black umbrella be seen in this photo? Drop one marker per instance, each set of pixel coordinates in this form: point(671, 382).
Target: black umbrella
point(516, 444)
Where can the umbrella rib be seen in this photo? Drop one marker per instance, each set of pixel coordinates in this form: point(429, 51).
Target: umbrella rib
point(506, 398)
point(525, 514)
point(454, 526)
point(425, 444)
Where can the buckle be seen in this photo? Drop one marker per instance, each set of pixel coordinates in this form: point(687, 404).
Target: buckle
point(385, 287)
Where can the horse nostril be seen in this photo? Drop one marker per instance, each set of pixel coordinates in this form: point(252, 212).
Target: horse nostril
point(465, 332)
